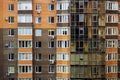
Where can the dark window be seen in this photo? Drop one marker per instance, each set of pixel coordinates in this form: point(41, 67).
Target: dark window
point(11, 79)
point(51, 68)
point(51, 32)
point(38, 79)
point(11, 7)
point(38, 69)
point(11, 19)
point(51, 7)
point(10, 31)
point(11, 56)
point(51, 56)
point(38, 56)
point(51, 44)
point(38, 44)
point(51, 19)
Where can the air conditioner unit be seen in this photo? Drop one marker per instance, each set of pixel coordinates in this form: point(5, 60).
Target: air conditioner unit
point(6, 19)
point(38, 11)
point(6, 45)
point(52, 61)
point(52, 37)
point(7, 73)
point(52, 0)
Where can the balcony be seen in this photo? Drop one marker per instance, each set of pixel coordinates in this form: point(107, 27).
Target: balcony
point(25, 7)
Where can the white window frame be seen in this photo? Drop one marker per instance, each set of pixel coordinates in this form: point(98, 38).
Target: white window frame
point(111, 43)
point(38, 32)
point(25, 31)
point(113, 30)
point(63, 5)
point(51, 69)
point(27, 68)
point(62, 44)
point(111, 56)
point(29, 43)
point(11, 56)
point(11, 69)
point(62, 69)
point(10, 7)
point(111, 18)
point(111, 5)
point(24, 56)
point(63, 31)
point(62, 56)
point(62, 18)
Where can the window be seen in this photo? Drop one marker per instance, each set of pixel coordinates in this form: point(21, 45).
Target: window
point(82, 68)
point(62, 31)
point(81, 17)
point(11, 79)
point(119, 43)
point(24, 69)
point(95, 44)
point(51, 57)
point(24, 78)
point(25, 44)
point(62, 18)
point(62, 69)
point(111, 5)
point(38, 44)
point(38, 32)
point(38, 69)
point(62, 5)
point(81, 4)
point(112, 18)
point(11, 19)
point(38, 20)
point(113, 79)
point(112, 31)
point(94, 31)
point(94, 70)
point(119, 7)
point(111, 68)
point(24, 30)
point(11, 69)
point(51, 44)
point(51, 32)
point(50, 7)
point(111, 56)
point(24, 5)
point(81, 31)
point(38, 56)
point(94, 4)
point(62, 44)
point(62, 79)
point(11, 7)
point(119, 19)
point(11, 44)
point(11, 56)
point(38, 78)
point(24, 56)
point(94, 18)
point(62, 56)
point(38, 7)
point(112, 43)
point(80, 44)
point(51, 69)
point(51, 19)
point(10, 32)
point(24, 18)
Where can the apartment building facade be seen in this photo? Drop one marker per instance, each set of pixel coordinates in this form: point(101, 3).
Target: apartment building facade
point(59, 40)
